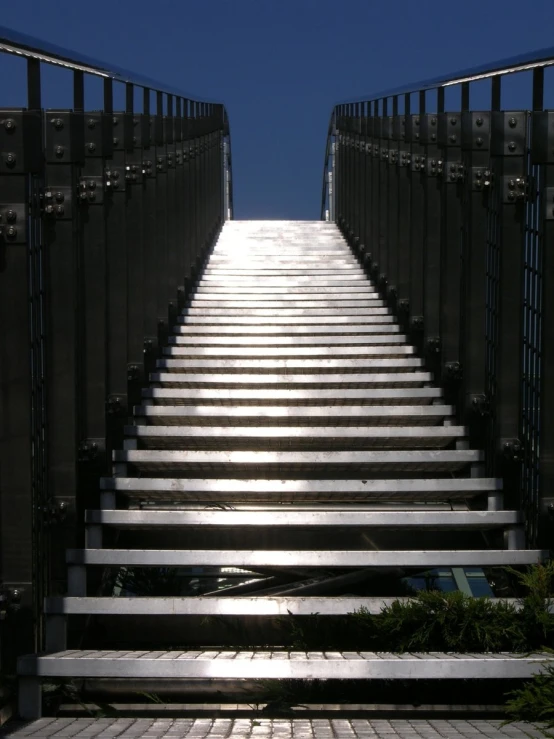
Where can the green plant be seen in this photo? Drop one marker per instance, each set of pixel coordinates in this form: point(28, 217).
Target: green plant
point(534, 701)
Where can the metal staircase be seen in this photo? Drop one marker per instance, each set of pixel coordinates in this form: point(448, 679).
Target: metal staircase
point(291, 449)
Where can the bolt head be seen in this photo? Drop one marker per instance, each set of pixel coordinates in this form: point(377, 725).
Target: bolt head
point(11, 159)
point(59, 210)
point(511, 146)
point(59, 151)
point(9, 125)
point(512, 123)
point(115, 141)
point(11, 232)
point(60, 197)
point(11, 216)
point(479, 122)
point(91, 184)
point(91, 147)
point(91, 123)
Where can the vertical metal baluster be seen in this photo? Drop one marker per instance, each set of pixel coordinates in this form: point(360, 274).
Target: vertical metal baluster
point(538, 438)
point(509, 157)
point(91, 305)
point(477, 187)
point(393, 205)
point(161, 232)
point(451, 220)
point(64, 156)
point(417, 223)
point(404, 215)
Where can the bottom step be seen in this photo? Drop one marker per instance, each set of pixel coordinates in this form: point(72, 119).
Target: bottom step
point(353, 728)
point(283, 664)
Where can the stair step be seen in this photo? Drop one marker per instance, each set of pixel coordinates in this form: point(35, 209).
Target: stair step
point(366, 396)
point(285, 280)
point(385, 350)
point(357, 289)
point(284, 665)
point(420, 490)
point(316, 518)
point(354, 313)
point(278, 463)
point(290, 300)
point(225, 605)
point(383, 325)
point(288, 303)
point(380, 335)
point(395, 379)
point(322, 365)
point(207, 717)
point(355, 558)
point(301, 271)
point(295, 438)
point(379, 315)
point(320, 415)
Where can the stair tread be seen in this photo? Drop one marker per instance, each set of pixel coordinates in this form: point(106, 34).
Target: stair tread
point(252, 558)
point(304, 380)
point(248, 352)
point(226, 605)
point(383, 336)
point(431, 519)
point(365, 728)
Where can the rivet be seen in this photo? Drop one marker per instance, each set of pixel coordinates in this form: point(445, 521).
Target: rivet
point(479, 122)
point(91, 123)
point(59, 150)
point(479, 142)
point(453, 121)
point(512, 146)
point(11, 216)
point(9, 125)
point(115, 141)
point(12, 232)
point(91, 147)
point(10, 159)
point(60, 197)
point(512, 123)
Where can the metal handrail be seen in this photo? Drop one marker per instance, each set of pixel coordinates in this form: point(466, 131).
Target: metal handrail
point(30, 47)
point(539, 58)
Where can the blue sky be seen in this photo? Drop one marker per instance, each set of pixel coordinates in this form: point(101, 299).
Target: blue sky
point(279, 65)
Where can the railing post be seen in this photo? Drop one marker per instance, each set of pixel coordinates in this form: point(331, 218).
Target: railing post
point(504, 295)
point(393, 205)
point(91, 305)
point(451, 220)
point(477, 186)
point(538, 393)
point(23, 483)
point(143, 206)
point(160, 244)
point(383, 233)
point(118, 328)
point(430, 167)
point(404, 215)
point(417, 230)
point(64, 156)
point(172, 215)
